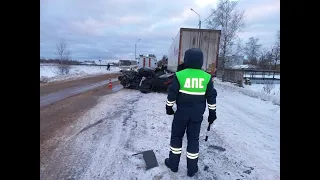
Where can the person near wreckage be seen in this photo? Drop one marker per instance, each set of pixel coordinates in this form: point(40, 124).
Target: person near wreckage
point(191, 89)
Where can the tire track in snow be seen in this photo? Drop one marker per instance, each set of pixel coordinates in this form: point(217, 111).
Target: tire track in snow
point(90, 154)
point(109, 157)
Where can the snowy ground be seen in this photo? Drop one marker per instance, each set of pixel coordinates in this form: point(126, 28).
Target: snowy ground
point(244, 142)
point(274, 89)
point(254, 90)
point(49, 71)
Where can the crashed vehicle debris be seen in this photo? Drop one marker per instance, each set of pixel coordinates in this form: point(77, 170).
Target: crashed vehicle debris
point(146, 80)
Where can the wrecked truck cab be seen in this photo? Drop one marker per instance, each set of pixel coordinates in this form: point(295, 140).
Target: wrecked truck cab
point(146, 80)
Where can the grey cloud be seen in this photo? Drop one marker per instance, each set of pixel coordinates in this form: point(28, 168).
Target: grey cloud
point(109, 29)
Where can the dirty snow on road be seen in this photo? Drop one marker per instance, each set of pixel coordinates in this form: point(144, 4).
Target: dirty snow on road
point(244, 142)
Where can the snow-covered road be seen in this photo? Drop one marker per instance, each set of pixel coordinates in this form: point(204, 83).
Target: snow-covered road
point(244, 142)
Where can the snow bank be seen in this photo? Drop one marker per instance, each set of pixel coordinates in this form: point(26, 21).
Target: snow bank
point(50, 72)
point(256, 94)
point(260, 88)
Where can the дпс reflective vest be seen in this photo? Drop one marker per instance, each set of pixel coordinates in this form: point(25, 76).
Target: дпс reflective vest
point(193, 81)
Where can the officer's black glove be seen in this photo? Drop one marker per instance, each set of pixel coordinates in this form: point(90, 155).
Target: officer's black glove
point(212, 116)
point(169, 110)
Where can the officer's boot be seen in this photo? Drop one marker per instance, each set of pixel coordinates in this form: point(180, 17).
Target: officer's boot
point(192, 165)
point(173, 161)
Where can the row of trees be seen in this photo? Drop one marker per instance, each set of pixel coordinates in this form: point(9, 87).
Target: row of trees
point(230, 21)
point(58, 61)
point(264, 58)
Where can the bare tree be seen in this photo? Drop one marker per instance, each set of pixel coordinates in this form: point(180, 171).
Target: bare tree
point(239, 48)
point(252, 50)
point(162, 61)
point(276, 51)
point(265, 60)
point(267, 88)
point(230, 21)
point(63, 56)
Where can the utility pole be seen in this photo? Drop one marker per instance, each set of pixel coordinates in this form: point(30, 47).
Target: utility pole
point(135, 50)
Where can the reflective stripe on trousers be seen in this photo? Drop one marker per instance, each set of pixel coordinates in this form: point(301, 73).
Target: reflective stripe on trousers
point(192, 155)
point(212, 106)
point(170, 103)
point(175, 150)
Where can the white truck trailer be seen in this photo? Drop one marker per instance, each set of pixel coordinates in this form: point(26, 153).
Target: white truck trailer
point(205, 39)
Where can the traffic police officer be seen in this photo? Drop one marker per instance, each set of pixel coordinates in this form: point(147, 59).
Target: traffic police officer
point(191, 88)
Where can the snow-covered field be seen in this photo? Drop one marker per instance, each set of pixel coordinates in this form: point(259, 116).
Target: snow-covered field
point(244, 142)
point(274, 89)
point(49, 71)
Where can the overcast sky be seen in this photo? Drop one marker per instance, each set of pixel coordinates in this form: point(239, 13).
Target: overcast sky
point(110, 28)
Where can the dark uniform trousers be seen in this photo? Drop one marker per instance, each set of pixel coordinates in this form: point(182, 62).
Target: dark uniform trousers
point(186, 119)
